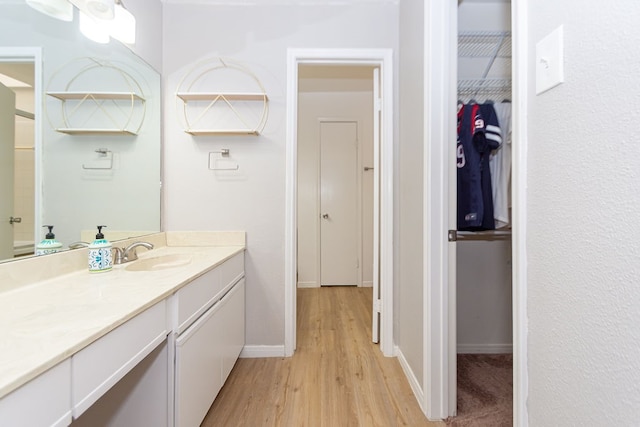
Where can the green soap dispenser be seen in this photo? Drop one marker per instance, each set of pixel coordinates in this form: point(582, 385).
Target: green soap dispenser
point(100, 253)
point(49, 245)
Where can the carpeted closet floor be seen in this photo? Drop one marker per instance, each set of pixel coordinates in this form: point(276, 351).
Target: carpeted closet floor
point(485, 391)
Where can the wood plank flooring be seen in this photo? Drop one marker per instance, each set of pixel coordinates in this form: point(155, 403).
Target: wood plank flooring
point(337, 377)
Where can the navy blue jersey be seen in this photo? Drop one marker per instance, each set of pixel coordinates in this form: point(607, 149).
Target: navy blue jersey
point(478, 135)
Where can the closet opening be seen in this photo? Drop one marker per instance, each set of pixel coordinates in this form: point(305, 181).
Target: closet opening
point(484, 276)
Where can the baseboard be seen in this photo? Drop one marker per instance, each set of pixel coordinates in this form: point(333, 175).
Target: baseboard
point(307, 285)
point(485, 348)
point(413, 381)
point(257, 351)
point(367, 284)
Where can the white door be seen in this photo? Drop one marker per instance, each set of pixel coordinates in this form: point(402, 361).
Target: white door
point(338, 204)
point(377, 302)
point(7, 144)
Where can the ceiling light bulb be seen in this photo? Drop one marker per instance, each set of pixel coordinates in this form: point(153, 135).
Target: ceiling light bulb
point(59, 9)
point(94, 29)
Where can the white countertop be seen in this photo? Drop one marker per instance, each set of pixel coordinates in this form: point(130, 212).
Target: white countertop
point(46, 322)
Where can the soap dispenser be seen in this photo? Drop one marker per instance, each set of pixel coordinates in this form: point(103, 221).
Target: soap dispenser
point(49, 245)
point(100, 253)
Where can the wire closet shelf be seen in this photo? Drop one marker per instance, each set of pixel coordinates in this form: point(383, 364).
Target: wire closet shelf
point(491, 46)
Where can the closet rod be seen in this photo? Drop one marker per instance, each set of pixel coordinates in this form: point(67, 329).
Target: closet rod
point(489, 235)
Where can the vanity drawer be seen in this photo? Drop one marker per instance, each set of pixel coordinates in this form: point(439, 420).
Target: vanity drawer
point(196, 297)
point(43, 401)
point(232, 269)
point(96, 368)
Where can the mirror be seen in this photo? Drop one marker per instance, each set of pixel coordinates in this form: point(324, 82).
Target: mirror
point(79, 160)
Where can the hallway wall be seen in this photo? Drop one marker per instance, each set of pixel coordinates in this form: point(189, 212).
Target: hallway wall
point(254, 198)
point(582, 231)
point(409, 271)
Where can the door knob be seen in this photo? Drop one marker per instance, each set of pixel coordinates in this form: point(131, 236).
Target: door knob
point(325, 216)
point(12, 220)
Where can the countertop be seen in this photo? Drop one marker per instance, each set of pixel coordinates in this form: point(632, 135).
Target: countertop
point(46, 322)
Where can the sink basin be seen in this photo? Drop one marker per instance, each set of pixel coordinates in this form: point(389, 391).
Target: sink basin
point(161, 262)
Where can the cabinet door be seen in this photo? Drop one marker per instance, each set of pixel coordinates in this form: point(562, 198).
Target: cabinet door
point(198, 376)
point(231, 321)
point(205, 354)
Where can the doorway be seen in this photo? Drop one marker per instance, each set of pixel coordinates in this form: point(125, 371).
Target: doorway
point(383, 157)
point(440, 301)
point(20, 71)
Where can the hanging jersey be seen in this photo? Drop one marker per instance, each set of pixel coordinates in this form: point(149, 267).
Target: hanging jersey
point(492, 141)
point(477, 137)
point(500, 165)
point(470, 207)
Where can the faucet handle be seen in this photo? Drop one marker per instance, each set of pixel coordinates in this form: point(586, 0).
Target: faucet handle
point(118, 255)
point(130, 254)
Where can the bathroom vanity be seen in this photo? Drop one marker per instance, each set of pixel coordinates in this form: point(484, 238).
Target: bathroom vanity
point(149, 343)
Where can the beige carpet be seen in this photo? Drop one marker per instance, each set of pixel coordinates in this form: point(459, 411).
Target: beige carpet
point(485, 391)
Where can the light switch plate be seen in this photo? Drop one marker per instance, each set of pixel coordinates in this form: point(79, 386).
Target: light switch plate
point(549, 61)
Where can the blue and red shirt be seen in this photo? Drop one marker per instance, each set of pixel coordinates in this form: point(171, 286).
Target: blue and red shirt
point(478, 135)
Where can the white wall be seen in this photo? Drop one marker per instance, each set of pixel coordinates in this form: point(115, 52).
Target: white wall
point(254, 198)
point(483, 268)
point(582, 230)
point(148, 43)
point(330, 102)
point(409, 190)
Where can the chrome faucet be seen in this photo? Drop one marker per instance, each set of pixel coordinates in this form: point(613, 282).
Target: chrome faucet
point(123, 255)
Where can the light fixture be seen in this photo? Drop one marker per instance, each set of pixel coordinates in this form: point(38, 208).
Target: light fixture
point(94, 29)
point(97, 9)
point(123, 25)
point(59, 9)
point(100, 9)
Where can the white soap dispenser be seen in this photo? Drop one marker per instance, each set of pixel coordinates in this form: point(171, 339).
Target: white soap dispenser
point(100, 253)
point(49, 245)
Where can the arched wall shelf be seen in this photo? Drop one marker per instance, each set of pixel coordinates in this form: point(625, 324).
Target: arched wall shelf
point(222, 97)
point(97, 98)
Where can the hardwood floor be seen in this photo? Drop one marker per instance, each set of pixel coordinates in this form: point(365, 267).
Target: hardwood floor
point(336, 378)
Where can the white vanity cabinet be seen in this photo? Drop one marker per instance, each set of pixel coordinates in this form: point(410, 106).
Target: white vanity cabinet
point(209, 338)
point(43, 401)
point(156, 354)
point(79, 391)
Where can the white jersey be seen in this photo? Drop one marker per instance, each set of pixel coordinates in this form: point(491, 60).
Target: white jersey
point(500, 166)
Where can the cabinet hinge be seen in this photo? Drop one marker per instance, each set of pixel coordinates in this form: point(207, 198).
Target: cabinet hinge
point(453, 235)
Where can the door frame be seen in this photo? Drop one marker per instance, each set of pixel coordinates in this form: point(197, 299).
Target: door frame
point(439, 299)
point(381, 58)
point(520, 83)
point(359, 248)
point(33, 54)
